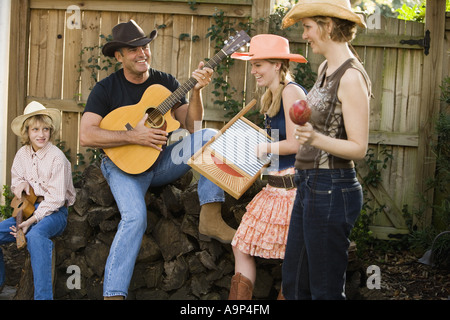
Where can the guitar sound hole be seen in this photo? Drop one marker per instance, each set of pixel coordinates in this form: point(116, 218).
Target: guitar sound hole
point(155, 118)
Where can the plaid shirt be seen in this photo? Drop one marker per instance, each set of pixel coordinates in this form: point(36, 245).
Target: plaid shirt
point(49, 174)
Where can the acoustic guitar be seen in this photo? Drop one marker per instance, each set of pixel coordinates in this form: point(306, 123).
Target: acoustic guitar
point(156, 101)
point(23, 209)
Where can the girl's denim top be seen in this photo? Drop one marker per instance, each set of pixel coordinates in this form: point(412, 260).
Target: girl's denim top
point(276, 128)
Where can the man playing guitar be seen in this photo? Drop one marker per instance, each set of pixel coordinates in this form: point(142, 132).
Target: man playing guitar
point(126, 87)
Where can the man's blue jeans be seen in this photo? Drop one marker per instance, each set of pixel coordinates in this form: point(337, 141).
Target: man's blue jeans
point(40, 247)
point(326, 207)
point(129, 192)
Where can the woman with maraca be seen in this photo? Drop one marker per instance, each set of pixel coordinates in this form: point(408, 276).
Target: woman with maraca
point(329, 196)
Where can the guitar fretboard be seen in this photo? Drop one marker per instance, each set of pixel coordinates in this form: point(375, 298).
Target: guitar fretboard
point(178, 94)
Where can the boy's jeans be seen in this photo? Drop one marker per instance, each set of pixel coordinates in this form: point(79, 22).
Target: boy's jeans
point(40, 246)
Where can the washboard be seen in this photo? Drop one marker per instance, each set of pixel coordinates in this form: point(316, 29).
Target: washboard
point(229, 158)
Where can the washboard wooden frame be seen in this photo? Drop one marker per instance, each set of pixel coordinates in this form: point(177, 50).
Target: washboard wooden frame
point(233, 169)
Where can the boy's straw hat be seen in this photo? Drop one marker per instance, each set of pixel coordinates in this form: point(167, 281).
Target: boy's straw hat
point(32, 109)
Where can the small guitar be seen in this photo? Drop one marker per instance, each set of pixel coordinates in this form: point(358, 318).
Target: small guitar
point(23, 209)
point(136, 159)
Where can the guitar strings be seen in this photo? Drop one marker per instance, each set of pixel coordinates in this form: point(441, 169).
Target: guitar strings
point(177, 94)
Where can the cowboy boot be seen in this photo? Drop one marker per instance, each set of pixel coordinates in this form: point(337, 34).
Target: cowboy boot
point(211, 224)
point(280, 295)
point(114, 298)
point(241, 288)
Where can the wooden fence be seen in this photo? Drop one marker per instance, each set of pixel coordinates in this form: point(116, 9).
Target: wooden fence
point(58, 44)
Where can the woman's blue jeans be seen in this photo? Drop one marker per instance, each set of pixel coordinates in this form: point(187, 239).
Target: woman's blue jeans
point(40, 247)
point(129, 192)
point(326, 207)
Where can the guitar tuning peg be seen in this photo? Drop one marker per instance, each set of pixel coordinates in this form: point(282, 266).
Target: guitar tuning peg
point(242, 49)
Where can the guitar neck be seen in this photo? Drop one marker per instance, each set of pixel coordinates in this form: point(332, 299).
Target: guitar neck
point(178, 94)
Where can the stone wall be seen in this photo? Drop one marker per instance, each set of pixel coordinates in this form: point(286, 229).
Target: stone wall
point(172, 263)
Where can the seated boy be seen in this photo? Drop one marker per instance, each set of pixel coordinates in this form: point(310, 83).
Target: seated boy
point(42, 166)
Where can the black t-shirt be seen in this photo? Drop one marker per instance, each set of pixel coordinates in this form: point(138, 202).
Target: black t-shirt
point(116, 91)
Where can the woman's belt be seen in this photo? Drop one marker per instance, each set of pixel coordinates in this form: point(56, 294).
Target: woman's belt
point(285, 182)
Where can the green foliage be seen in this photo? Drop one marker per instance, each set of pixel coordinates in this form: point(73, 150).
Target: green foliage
point(441, 150)
point(430, 239)
point(192, 5)
point(304, 75)
point(414, 13)
point(361, 233)
point(373, 178)
point(6, 210)
point(421, 239)
point(218, 33)
point(62, 146)
point(93, 60)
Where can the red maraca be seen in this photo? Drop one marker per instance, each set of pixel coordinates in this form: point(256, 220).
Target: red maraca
point(300, 112)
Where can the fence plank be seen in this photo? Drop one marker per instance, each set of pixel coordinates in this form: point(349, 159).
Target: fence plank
point(432, 77)
point(108, 21)
point(55, 43)
point(181, 59)
point(90, 38)
point(162, 7)
point(18, 72)
point(201, 51)
point(374, 58)
point(38, 21)
point(70, 134)
point(72, 49)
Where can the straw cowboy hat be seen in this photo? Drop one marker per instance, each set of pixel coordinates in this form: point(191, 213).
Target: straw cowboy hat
point(268, 46)
point(32, 109)
point(127, 34)
point(328, 8)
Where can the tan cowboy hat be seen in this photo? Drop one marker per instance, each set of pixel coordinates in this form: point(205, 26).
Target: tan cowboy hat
point(268, 46)
point(127, 34)
point(328, 8)
point(32, 109)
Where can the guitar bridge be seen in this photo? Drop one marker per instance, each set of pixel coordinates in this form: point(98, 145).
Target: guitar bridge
point(128, 126)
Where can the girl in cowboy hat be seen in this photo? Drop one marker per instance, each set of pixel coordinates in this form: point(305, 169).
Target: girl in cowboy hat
point(263, 229)
point(329, 196)
point(42, 166)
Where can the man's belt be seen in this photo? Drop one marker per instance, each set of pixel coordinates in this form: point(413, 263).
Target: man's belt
point(285, 182)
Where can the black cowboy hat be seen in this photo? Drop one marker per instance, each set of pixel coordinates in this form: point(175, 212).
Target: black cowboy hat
point(127, 34)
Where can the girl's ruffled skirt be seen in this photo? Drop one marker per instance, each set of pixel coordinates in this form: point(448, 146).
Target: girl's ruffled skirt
point(264, 227)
